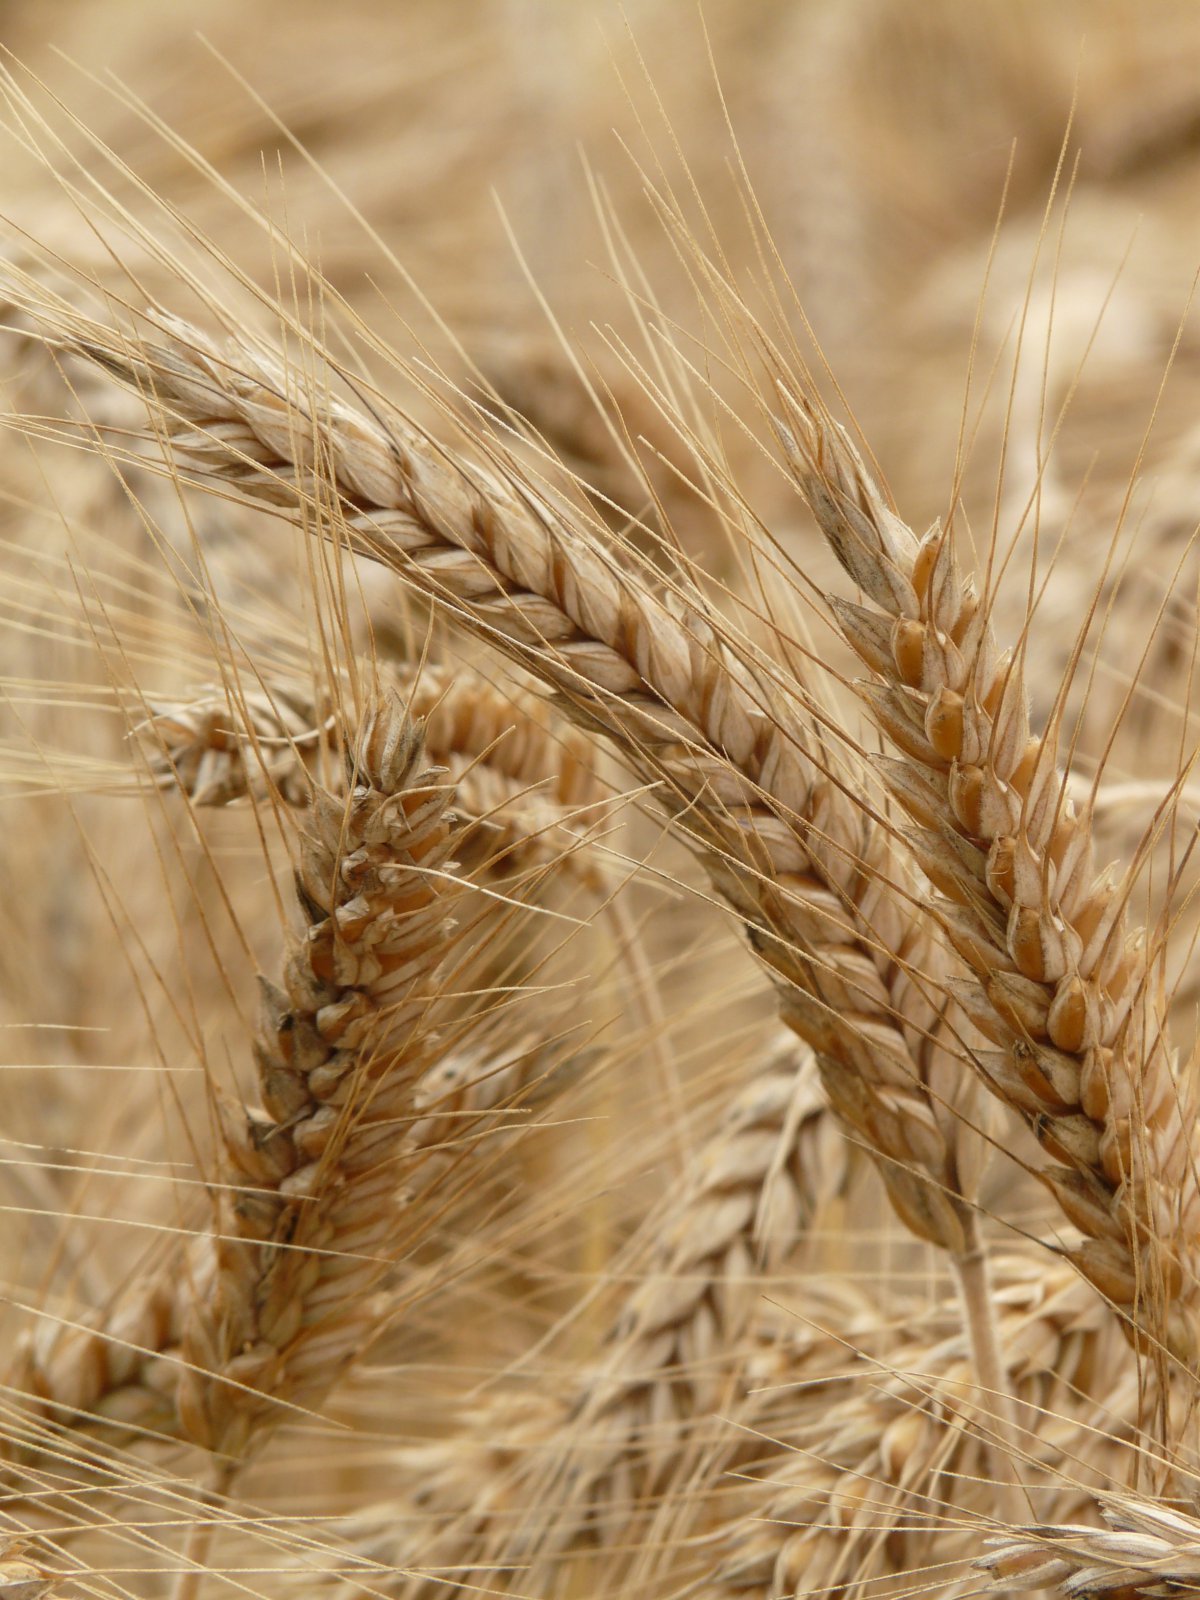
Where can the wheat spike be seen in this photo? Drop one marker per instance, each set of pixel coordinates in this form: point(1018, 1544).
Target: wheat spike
point(280, 1305)
point(524, 784)
point(744, 1206)
point(805, 869)
point(1146, 1550)
point(893, 1455)
point(1059, 983)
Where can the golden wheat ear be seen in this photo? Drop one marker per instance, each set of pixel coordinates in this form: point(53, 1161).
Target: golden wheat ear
point(524, 783)
point(817, 885)
point(671, 1360)
point(1146, 1550)
point(728, 749)
point(281, 1304)
point(887, 1472)
point(1058, 982)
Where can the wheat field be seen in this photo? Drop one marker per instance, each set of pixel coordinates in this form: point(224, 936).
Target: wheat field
point(598, 642)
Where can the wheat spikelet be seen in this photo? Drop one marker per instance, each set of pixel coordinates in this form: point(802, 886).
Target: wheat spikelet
point(22, 1578)
point(1059, 983)
point(1147, 1549)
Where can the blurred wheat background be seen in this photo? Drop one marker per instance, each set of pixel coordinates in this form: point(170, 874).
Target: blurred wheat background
point(650, 1325)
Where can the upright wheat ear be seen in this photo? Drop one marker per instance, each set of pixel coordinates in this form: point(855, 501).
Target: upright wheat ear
point(309, 1217)
point(1058, 982)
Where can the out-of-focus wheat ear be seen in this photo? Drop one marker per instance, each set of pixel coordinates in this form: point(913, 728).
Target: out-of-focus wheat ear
point(1146, 1550)
point(481, 1502)
point(103, 1367)
point(889, 1470)
point(278, 1302)
point(1057, 981)
point(742, 1206)
point(220, 747)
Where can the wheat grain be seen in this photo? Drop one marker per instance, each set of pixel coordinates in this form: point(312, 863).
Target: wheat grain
point(22, 1578)
point(1147, 1549)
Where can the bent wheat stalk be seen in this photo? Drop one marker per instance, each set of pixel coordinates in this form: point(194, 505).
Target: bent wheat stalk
point(1060, 983)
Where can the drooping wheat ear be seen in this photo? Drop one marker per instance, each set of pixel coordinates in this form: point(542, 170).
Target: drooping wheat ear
point(525, 785)
point(884, 1477)
point(815, 883)
point(280, 1302)
point(219, 747)
point(1147, 1550)
point(1059, 983)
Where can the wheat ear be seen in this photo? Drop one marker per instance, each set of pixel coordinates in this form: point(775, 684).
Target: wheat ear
point(875, 1475)
point(805, 869)
point(271, 1306)
point(523, 784)
point(745, 1203)
point(1059, 982)
point(280, 1305)
point(104, 1366)
point(482, 1505)
point(1146, 1550)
